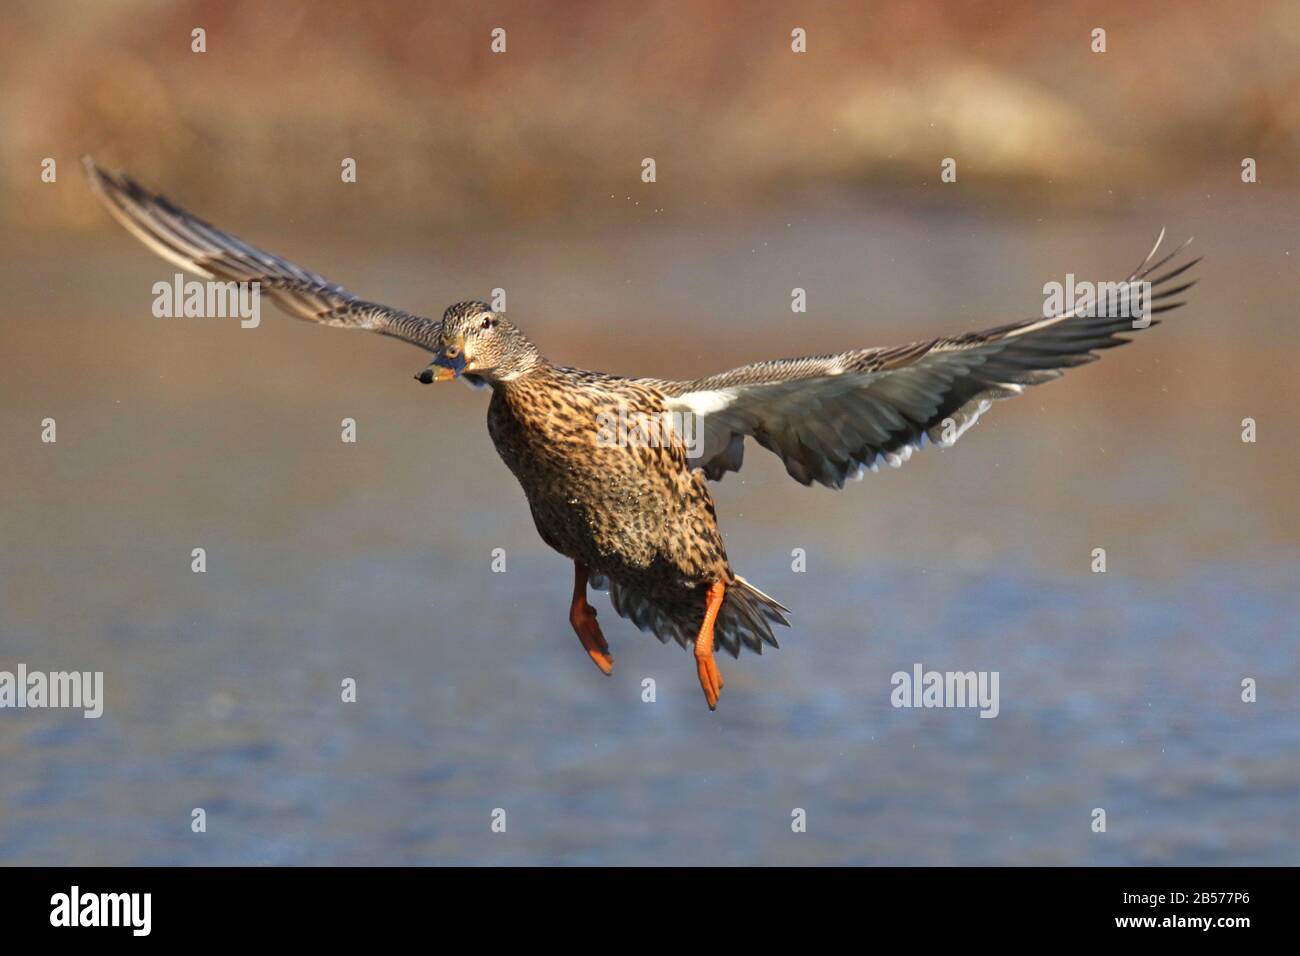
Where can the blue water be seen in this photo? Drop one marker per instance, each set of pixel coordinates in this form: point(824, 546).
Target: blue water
point(372, 561)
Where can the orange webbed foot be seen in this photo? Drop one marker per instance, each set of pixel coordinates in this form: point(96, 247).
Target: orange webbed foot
point(710, 679)
point(583, 619)
point(707, 668)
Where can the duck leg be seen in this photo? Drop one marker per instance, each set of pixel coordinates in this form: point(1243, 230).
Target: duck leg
point(583, 618)
point(710, 677)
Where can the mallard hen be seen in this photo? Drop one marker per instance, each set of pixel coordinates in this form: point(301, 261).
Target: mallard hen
point(615, 469)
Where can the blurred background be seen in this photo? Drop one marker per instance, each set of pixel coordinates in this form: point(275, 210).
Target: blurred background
point(521, 171)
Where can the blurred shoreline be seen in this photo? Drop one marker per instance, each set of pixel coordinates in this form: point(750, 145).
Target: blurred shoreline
point(444, 132)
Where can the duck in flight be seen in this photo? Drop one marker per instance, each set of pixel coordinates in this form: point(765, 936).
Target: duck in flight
point(633, 512)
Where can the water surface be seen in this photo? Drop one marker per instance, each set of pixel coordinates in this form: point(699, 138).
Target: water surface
point(373, 561)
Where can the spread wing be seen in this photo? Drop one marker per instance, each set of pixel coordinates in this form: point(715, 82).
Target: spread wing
point(195, 246)
point(831, 417)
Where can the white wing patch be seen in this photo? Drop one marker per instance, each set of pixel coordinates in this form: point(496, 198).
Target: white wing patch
point(704, 403)
point(971, 418)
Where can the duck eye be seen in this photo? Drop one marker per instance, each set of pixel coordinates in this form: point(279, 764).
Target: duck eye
point(488, 323)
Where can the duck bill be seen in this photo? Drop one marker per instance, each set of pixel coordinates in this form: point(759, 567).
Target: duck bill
point(443, 369)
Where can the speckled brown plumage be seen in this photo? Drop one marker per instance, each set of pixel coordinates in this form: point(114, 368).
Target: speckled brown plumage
point(635, 512)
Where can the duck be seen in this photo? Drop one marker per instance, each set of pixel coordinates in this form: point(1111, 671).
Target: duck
point(630, 504)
